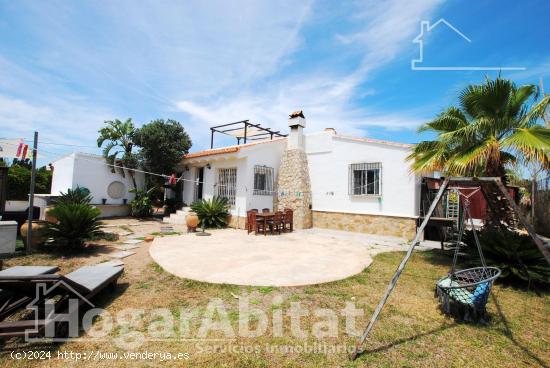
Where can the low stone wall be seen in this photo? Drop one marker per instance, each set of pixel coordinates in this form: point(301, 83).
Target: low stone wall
point(237, 222)
point(113, 210)
point(402, 227)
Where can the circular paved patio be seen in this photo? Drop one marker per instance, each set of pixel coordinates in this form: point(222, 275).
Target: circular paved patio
point(233, 257)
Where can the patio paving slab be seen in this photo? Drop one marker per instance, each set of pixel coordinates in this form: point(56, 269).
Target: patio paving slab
point(113, 263)
point(133, 241)
point(121, 254)
point(125, 247)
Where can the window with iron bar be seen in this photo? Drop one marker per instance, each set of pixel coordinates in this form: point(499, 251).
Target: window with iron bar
point(227, 184)
point(365, 179)
point(263, 180)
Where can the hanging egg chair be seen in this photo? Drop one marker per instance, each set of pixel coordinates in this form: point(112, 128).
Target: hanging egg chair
point(464, 293)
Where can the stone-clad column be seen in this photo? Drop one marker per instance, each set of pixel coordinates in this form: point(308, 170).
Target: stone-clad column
point(293, 184)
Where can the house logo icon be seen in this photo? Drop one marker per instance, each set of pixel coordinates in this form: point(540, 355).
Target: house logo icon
point(426, 28)
point(50, 314)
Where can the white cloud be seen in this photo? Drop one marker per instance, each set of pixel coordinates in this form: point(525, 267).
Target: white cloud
point(327, 99)
point(214, 61)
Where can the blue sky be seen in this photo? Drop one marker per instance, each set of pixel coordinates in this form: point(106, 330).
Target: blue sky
point(66, 66)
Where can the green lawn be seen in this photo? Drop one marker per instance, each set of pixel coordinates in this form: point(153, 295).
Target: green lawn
point(411, 331)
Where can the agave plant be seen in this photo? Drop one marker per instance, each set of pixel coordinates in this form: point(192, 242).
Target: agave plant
point(76, 222)
point(514, 253)
point(212, 213)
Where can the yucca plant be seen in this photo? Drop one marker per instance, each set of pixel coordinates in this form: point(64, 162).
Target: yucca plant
point(212, 213)
point(514, 253)
point(76, 223)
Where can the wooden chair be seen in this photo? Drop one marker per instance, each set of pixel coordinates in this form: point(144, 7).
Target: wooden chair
point(250, 221)
point(254, 223)
point(277, 223)
point(266, 210)
point(288, 223)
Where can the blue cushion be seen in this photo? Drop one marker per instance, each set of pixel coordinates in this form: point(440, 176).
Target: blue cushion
point(460, 295)
point(479, 294)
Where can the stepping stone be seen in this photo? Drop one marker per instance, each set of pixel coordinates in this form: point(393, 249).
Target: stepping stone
point(121, 254)
point(113, 263)
point(125, 233)
point(125, 247)
point(133, 241)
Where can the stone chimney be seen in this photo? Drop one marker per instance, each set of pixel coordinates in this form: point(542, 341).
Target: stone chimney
point(293, 184)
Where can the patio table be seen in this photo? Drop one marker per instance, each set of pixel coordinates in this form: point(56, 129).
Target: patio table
point(265, 216)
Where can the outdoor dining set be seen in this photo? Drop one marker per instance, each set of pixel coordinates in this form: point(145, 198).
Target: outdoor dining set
point(275, 222)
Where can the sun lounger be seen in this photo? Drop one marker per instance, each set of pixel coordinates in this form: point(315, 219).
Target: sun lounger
point(10, 301)
point(82, 285)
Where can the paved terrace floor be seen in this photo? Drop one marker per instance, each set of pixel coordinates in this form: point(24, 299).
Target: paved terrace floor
point(303, 257)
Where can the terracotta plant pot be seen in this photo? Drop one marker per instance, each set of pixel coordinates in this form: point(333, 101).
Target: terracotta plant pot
point(37, 233)
point(192, 221)
point(149, 238)
point(48, 217)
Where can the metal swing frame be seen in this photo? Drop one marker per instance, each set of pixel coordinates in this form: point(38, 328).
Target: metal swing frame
point(545, 252)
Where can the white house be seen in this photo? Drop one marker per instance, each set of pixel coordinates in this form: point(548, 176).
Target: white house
point(109, 191)
point(245, 174)
point(330, 180)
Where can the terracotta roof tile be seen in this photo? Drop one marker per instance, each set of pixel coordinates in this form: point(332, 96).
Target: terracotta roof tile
point(231, 149)
point(210, 152)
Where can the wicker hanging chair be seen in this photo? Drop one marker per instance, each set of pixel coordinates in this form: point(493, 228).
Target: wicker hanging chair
point(464, 293)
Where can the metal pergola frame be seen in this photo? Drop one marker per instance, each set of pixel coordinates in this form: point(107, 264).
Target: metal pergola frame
point(244, 125)
point(446, 181)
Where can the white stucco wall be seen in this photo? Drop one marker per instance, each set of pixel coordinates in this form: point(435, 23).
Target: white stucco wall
point(62, 178)
point(90, 171)
point(329, 157)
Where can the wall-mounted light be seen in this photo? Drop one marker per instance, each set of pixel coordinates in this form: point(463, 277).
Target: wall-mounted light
point(208, 166)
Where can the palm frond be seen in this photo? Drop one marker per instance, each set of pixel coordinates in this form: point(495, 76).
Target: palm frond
point(533, 143)
point(448, 121)
point(468, 160)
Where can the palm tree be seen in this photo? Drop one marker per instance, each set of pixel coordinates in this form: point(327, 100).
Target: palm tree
point(495, 124)
point(119, 137)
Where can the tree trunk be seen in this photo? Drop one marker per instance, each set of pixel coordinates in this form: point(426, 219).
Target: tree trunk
point(499, 214)
point(133, 176)
point(533, 190)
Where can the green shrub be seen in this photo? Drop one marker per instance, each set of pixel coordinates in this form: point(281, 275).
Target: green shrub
point(142, 205)
point(212, 213)
point(79, 195)
point(76, 223)
point(515, 254)
point(19, 181)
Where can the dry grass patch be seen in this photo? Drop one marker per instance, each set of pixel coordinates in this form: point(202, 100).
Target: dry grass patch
point(411, 330)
